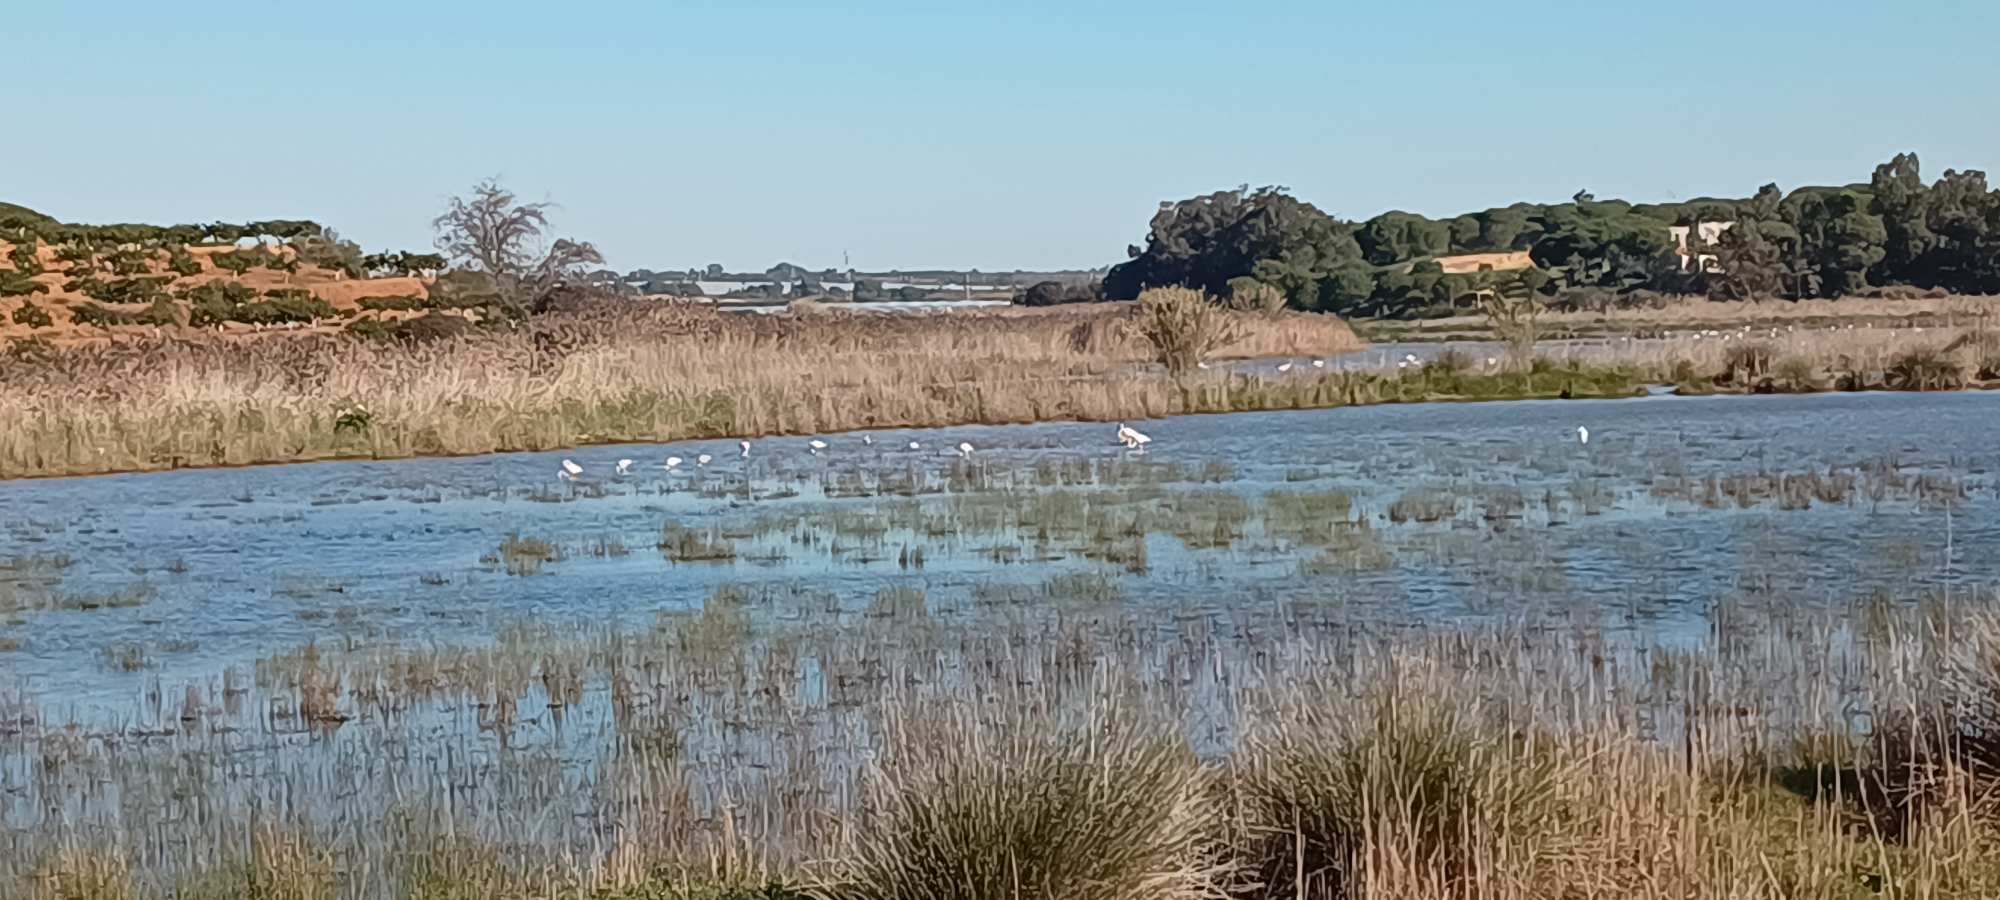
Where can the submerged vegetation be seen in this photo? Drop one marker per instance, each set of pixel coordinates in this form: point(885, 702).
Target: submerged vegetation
point(992, 748)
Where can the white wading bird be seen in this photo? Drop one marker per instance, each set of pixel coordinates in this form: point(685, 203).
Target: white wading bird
point(1131, 437)
point(569, 471)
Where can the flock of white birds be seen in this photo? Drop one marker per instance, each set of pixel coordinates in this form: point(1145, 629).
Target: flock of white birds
point(1131, 438)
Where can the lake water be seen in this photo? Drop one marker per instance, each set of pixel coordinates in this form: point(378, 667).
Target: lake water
point(1502, 511)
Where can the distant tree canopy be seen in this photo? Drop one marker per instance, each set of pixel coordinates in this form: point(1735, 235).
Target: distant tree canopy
point(1815, 242)
point(1206, 241)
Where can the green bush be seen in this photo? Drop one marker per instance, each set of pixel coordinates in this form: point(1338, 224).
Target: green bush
point(394, 303)
point(95, 314)
point(124, 290)
point(32, 316)
point(131, 261)
point(434, 326)
point(77, 255)
point(279, 307)
point(26, 261)
point(237, 262)
point(162, 311)
point(15, 284)
point(181, 262)
point(215, 302)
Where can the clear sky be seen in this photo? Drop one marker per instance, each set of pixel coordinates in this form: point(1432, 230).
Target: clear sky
point(1027, 134)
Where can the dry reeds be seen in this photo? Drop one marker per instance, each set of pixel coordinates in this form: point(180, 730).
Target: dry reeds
point(656, 373)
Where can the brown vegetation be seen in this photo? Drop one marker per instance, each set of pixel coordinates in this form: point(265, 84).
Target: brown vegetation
point(631, 372)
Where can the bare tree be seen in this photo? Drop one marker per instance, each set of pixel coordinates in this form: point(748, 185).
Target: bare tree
point(507, 241)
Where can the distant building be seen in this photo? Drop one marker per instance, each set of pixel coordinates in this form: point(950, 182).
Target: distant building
point(1710, 233)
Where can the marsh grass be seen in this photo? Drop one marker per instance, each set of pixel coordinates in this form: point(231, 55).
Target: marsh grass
point(665, 373)
point(681, 544)
point(958, 808)
point(518, 555)
point(998, 752)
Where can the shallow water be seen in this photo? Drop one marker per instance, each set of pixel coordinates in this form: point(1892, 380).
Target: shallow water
point(233, 564)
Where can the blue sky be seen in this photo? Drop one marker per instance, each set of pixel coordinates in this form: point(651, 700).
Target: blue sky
point(1030, 134)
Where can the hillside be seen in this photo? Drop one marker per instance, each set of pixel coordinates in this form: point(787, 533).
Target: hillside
point(69, 283)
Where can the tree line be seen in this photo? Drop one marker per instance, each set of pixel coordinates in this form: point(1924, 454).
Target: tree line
point(1893, 230)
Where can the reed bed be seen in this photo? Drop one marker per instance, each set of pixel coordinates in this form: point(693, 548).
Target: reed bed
point(658, 373)
point(679, 372)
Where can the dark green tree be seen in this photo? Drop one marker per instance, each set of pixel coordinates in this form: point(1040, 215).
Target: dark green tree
point(1206, 241)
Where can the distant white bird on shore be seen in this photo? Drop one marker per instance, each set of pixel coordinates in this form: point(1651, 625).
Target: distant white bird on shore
point(816, 445)
point(1319, 364)
point(1284, 367)
point(867, 439)
point(1132, 437)
point(1201, 365)
point(744, 449)
point(964, 449)
point(624, 466)
point(673, 462)
point(703, 459)
point(1582, 435)
point(569, 471)
point(916, 446)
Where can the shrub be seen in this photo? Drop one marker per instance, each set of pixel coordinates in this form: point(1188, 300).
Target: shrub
point(1925, 369)
point(1404, 784)
point(123, 290)
point(423, 329)
point(101, 316)
point(1184, 326)
point(181, 262)
point(285, 306)
point(1746, 362)
point(1247, 294)
point(394, 303)
point(79, 256)
point(32, 316)
point(1051, 293)
point(215, 302)
point(162, 311)
point(238, 262)
point(16, 284)
point(1795, 374)
point(26, 261)
point(130, 262)
point(972, 810)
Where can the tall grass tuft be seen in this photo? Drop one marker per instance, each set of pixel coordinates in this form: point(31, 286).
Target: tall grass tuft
point(964, 810)
point(1184, 326)
point(1925, 369)
point(1404, 788)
